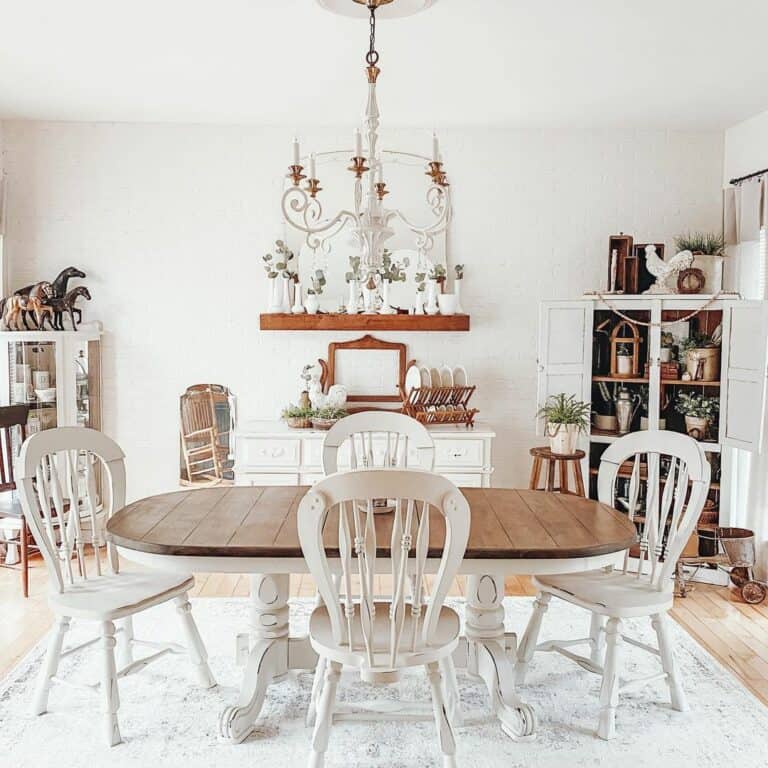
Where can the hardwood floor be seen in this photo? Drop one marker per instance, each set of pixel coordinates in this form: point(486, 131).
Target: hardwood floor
point(733, 632)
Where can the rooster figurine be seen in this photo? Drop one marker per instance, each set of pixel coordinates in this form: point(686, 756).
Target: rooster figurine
point(665, 272)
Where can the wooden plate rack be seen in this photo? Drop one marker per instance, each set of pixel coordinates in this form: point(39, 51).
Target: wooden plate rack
point(440, 405)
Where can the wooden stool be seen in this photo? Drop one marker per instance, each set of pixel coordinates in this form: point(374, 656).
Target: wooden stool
point(544, 458)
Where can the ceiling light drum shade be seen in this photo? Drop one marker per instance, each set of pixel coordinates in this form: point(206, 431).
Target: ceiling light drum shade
point(387, 9)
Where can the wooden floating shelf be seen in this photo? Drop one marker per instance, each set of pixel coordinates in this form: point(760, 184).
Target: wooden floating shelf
point(664, 382)
point(342, 322)
point(681, 383)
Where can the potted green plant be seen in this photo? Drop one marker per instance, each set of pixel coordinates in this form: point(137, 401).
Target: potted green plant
point(326, 417)
point(298, 416)
point(699, 412)
point(667, 351)
point(565, 418)
point(624, 360)
point(313, 302)
point(705, 246)
point(701, 354)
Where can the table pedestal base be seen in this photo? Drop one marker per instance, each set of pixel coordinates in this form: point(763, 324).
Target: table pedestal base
point(274, 653)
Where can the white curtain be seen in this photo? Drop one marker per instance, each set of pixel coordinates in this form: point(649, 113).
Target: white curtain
point(746, 231)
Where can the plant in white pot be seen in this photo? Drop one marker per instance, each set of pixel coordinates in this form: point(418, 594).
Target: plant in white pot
point(280, 275)
point(667, 351)
point(701, 354)
point(391, 272)
point(312, 302)
point(699, 411)
point(459, 270)
point(565, 418)
point(708, 251)
point(353, 278)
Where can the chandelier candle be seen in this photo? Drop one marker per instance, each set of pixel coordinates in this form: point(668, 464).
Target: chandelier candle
point(369, 222)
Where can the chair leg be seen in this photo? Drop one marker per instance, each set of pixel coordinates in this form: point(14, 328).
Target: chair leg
point(676, 692)
point(195, 647)
point(109, 684)
point(24, 546)
point(324, 715)
point(451, 691)
point(609, 691)
point(317, 690)
point(445, 733)
point(597, 638)
point(531, 636)
point(533, 483)
point(125, 642)
point(51, 664)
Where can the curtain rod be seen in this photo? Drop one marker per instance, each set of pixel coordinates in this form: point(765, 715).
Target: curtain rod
point(748, 176)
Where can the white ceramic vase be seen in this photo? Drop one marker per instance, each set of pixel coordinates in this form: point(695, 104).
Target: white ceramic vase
point(276, 294)
point(298, 307)
point(419, 303)
point(386, 309)
point(447, 303)
point(354, 290)
point(431, 307)
point(623, 365)
point(457, 292)
point(312, 303)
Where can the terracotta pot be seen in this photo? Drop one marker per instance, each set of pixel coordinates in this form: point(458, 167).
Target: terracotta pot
point(697, 427)
point(562, 438)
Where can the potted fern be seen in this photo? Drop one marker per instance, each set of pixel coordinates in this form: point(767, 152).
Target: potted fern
point(565, 418)
point(699, 412)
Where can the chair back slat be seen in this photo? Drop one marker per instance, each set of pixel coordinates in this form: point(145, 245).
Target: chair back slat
point(677, 476)
point(416, 495)
point(58, 483)
point(13, 423)
point(378, 439)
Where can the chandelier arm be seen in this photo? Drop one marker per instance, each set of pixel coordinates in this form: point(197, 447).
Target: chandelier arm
point(308, 210)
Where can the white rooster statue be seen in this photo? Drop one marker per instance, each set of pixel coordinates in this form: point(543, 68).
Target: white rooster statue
point(665, 271)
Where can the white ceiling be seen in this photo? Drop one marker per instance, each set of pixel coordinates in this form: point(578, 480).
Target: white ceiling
point(670, 63)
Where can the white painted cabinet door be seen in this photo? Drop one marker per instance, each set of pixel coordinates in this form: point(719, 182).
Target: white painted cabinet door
point(744, 375)
point(565, 350)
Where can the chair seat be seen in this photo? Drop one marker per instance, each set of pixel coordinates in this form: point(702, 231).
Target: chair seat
point(443, 644)
point(114, 596)
point(610, 593)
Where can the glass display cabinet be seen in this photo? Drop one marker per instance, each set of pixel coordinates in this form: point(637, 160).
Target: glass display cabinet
point(58, 375)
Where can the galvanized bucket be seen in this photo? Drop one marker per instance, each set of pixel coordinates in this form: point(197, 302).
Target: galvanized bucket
point(739, 546)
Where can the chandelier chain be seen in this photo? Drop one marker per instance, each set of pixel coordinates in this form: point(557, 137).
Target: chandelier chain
point(372, 57)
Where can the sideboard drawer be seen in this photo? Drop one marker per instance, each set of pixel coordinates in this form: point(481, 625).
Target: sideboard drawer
point(465, 480)
point(267, 478)
point(458, 453)
point(270, 453)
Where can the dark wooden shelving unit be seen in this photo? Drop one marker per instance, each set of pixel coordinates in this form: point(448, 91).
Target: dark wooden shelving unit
point(342, 322)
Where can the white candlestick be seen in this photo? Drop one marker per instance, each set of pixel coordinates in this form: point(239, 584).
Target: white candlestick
point(380, 173)
point(296, 152)
point(358, 143)
point(435, 149)
point(312, 174)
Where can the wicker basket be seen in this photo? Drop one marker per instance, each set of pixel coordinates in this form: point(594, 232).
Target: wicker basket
point(325, 424)
point(299, 422)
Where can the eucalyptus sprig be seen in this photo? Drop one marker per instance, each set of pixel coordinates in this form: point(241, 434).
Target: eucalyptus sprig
point(391, 270)
point(318, 283)
point(279, 265)
point(354, 273)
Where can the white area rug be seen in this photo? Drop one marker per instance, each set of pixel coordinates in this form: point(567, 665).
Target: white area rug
point(166, 721)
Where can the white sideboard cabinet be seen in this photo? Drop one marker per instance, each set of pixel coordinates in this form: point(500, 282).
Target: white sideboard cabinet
point(271, 453)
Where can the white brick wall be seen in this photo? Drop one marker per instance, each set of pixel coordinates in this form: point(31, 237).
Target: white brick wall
point(170, 222)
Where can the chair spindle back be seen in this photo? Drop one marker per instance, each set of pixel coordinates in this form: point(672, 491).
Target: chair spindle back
point(374, 435)
point(12, 417)
point(339, 510)
point(676, 475)
point(58, 489)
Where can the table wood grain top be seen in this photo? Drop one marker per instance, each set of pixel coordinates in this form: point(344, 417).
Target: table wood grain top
point(261, 522)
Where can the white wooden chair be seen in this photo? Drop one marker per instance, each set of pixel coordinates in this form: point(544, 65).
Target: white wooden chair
point(59, 471)
point(400, 433)
point(382, 637)
point(677, 474)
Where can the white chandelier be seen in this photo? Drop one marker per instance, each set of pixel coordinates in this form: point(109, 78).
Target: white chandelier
point(370, 221)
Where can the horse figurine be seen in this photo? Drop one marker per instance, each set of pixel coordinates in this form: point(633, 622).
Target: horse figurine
point(28, 303)
point(59, 306)
point(58, 290)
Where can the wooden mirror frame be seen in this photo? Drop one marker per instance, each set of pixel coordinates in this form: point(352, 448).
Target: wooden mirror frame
point(367, 342)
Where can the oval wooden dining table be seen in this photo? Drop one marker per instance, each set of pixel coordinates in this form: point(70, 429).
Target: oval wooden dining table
point(252, 530)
